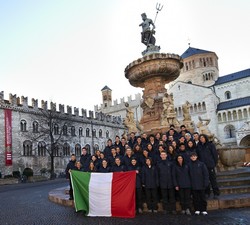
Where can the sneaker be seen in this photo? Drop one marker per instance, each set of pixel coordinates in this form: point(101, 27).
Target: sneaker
point(139, 210)
point(204, 213)
point(197, 212)
point(155, 211)
point(183, 212)
point(188, 212)
point(149, 211)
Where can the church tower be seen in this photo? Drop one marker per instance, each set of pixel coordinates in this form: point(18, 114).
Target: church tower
point(106, 97)
point(200, 67)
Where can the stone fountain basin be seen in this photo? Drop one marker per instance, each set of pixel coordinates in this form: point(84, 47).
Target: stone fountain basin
point(231, 156)
point(166, 66)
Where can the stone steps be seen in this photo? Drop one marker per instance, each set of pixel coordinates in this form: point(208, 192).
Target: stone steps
point(241, 172)
point(235, 189)
point(239, 181)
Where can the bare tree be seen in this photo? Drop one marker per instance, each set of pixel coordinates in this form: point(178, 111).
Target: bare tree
point(52, 126)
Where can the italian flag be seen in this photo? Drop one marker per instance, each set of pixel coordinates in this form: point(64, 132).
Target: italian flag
point(104, 194)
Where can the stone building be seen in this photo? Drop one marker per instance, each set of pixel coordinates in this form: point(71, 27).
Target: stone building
point(116, 108)
point(224, 100)
point(22, 144)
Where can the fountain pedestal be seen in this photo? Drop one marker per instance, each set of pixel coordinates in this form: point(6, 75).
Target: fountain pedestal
point(151, 73)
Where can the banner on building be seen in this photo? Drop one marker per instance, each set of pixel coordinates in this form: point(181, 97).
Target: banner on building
point(8, 136)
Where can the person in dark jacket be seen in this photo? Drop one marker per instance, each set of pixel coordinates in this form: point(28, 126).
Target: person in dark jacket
point(85, 158)
point(183, 184)
point(132, 140)
point(104, 168)
point(78, 166)
point(107, 150)
point(70, 166)
point(167, 182)
point(118, 167)
point(150, 182)
point(199, 181)
point(138, 193)
point(207, 153)
point(127, 157)
point(91, 168)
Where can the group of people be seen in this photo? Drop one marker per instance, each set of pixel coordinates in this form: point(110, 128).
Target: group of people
point(169, 167)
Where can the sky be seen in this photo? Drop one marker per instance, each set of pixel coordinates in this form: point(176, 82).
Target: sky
point(66, 51)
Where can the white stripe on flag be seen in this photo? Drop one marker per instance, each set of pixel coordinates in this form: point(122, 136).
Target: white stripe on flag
point(100, 186)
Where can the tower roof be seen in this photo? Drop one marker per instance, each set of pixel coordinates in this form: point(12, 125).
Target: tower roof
point(193, 51)
point(106, 88)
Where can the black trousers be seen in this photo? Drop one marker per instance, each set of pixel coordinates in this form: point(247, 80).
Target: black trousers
point(70, 189)
point(199, 200)
point(185, 198)
point(168, 199)
point(138, 195)
point(213, 182)
point(151, 198)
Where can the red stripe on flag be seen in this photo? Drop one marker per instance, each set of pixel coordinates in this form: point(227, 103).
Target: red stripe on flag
point(123, 194)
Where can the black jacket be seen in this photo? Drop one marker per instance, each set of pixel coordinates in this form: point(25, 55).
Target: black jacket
point(138, 175)
point(101, 169)
point(166, 174)
point(116, 168)
point(70, 166)
point(199, 175)
point(182, 176)
point(84, 160)
point(150, 177)
point(208, 154)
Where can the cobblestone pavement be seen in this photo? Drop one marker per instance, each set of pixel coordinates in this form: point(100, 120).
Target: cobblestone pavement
point(28, 204)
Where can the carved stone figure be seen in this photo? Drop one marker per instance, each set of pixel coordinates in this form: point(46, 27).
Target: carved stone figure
point(168, 116)
point(129, 121)
point(185, 110)
point(202, 126)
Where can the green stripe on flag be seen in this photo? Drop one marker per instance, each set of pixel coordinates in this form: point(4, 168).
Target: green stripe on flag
point(80, 184)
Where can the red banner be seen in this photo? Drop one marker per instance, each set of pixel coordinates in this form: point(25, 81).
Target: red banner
point(8, 136)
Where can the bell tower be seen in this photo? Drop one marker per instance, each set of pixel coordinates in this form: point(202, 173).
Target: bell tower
point(106, 96)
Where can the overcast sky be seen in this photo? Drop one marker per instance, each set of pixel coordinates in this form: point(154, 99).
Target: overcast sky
point(66, 51)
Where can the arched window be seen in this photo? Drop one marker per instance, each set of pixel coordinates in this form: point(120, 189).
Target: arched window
point(87, 146)
point(224, 117)
point(100, 133)
point(229, 116)
point(73, 131)
point(65, 129)
point(219, 117)
point(240, 114)
point(80, 131)
point(195, 107)
point(23, 125)
point(199, 106)
point(96, 147)
point(203, 106)
point(87, 132)
point(77, 149)
point(56, 150)
point(27, 148)
point(107, 134)
point(35, 127)
point(245, 113)
point(66, 149)
point(41, 148)
point(93, 133)
point(56, 129)
point(227, 95)
point(229, 131)
point(234, 115)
